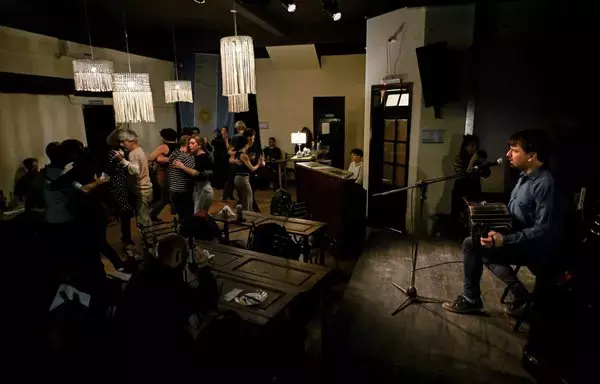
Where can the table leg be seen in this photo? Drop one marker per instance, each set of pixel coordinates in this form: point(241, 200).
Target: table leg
point(226, 231)
point(279, 174)
point(306, 250)
point(322, 246)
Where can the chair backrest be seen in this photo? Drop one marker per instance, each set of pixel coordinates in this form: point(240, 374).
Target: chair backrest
point(200, 228)
point(280, 203)
point(151, 234)
point(283, 205)
point(273, 239)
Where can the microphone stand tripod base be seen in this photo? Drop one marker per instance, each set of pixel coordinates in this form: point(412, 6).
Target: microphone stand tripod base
point(412, 298)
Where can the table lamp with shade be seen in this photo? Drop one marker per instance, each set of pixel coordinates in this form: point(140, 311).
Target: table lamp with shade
point(298, 138)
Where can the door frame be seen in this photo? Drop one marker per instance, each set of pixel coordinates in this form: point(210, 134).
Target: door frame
point(378, 211)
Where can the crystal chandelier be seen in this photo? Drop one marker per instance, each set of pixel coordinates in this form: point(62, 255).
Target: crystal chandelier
point(238, 103)
point(93, 75)
point(178, 90)
point(132, 95)
point(132, 98)
point(237, 66)
point(90, 74)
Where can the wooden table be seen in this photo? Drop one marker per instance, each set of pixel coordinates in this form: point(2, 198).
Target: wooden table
point(283, 163)
point(250, 219)
point(284, 280)
point(299, 227)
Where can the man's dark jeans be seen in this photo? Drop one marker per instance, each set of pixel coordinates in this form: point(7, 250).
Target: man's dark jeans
point(498, 260)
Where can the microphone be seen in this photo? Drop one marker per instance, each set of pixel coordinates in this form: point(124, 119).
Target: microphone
point(488, 165)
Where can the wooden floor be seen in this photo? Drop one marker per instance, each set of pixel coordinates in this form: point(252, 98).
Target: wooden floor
point(423, 343)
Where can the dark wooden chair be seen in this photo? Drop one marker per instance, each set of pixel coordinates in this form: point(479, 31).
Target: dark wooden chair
point(151, 234)
point(273, 239)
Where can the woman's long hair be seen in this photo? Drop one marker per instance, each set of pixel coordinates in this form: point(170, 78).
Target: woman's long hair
point(309, 137)
point(242, 141)
point(467, 139)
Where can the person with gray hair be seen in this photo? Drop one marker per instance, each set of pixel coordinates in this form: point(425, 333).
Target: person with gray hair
point(137, 167)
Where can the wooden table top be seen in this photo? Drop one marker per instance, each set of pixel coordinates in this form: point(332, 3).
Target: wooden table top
point(294, 226)
point(282, 279)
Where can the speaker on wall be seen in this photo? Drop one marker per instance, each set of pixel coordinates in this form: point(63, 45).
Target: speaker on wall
point(435, 71)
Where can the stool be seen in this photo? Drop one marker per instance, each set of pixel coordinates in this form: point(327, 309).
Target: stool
point(526, 308)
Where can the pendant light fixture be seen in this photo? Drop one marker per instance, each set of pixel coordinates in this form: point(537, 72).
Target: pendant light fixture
point(90, 74)
point(237, 66)
point(238, 103)
point(177, 90)
point(132, 95)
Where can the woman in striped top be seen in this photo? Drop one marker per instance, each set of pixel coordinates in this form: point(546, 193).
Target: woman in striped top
point(201, 173)
point(180, 183)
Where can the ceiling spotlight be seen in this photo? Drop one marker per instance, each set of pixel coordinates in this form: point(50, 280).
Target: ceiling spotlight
point(289, 5)
point(199, 1)
point(330, 7)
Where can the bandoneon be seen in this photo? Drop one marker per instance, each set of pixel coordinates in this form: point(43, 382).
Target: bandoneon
point(485, 217)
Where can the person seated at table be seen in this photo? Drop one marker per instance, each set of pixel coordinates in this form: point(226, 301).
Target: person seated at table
point(356, 166)
point(272, 153)
point(29, 187)
point(158, 303)
point(203, 227)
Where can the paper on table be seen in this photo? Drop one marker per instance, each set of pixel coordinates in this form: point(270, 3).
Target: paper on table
point(70, 292)
point(324, 128)
point(229, 211)
point(119, 275)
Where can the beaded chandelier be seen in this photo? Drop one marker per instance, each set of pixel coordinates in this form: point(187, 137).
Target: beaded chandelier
point(178, 90)
point(237, 66)
point(90, 74)
point(132, 95)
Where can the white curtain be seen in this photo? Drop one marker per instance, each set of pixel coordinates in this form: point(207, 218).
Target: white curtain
point(27, 124)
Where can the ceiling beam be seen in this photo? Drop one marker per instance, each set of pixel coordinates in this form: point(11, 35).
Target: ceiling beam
point(258, 20)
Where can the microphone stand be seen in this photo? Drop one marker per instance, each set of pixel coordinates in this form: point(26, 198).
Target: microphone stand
point(412, 296)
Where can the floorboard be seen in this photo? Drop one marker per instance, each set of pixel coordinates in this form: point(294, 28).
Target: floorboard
point(423, 342)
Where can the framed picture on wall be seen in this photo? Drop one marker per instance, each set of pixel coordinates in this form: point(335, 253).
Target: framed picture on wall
point(263, 125)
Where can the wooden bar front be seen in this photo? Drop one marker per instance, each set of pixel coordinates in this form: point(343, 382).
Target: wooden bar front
point(332, 197)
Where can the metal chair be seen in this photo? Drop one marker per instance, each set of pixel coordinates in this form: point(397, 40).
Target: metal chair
point(151, 234)
point(273, 239)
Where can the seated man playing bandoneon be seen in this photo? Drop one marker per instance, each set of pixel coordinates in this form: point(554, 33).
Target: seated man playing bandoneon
point(537, 213)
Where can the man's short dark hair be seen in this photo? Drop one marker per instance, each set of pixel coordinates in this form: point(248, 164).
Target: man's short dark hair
point(357, 152)
point(248, 132)
point(532, 140)
point(169, 134)
point(51, 150)
point(28, 163)
point(272, 138)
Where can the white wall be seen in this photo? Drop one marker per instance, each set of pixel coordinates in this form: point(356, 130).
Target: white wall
point(27, 124)
point(285, 97)
point(30, 121)
point(454, 25)
point(379, 29)
point(423, 26)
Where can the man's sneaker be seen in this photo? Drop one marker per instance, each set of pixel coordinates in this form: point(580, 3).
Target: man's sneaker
point(462, 305)
point(516, 308)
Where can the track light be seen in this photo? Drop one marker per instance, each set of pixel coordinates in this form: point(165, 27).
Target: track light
point(330, 7)
point(289, 5)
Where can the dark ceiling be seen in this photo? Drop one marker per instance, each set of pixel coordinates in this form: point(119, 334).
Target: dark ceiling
point(199, 27)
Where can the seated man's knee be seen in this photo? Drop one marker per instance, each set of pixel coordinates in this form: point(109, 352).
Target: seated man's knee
point(467, 244)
